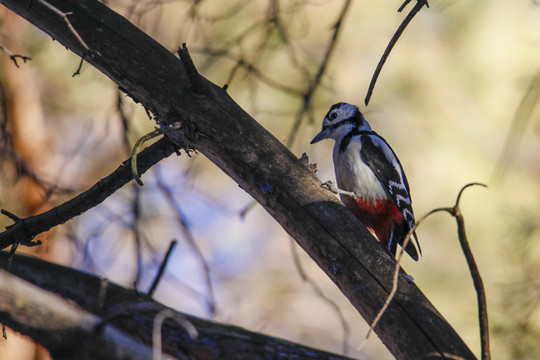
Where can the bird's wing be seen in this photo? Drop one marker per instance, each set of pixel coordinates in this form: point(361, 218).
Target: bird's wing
point(384, 163)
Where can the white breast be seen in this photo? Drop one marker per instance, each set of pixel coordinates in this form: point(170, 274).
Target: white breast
point(353, 175)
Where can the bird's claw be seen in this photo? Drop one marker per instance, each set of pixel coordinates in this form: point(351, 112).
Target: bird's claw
point(329, 185)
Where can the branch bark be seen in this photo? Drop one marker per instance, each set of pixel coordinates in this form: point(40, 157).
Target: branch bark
point(65, 329)
point(108, 313)
point(411, 327)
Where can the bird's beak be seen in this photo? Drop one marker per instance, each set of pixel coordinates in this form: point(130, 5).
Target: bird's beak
point(321, 136)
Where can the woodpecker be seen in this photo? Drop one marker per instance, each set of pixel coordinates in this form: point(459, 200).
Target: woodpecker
point(370, 179)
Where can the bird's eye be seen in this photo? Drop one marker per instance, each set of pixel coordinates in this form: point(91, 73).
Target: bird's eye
point(333, 116)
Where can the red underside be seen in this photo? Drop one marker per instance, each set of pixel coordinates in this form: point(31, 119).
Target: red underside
point(380, 216)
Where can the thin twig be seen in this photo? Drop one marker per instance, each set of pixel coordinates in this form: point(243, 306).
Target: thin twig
point(156, 332)
point(26, 229)
point(78, 71)
point(184, 226)
point(10, 215)
point(247, 208)
point(142, 140)
point(396, 276)
point(477, 278)
point(136, 210)
point(162, 268)
point(393, 41)
point(315, 83)
point(64, 16)
point(13, 56)
point(15, 245)
point(317, 290)
point(240, 62)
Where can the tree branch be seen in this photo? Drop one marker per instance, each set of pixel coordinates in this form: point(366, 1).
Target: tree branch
point(419, 4)
point(65, 329)
point(24, 230)
point(106, 308)
point(476, 277)
point(411, 327)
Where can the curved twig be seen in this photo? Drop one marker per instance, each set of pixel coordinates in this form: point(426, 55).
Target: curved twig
point(393, 41)
point(396, 274)
point(475, 273)
point(144, 139)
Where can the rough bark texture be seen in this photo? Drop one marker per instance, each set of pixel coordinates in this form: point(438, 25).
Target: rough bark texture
point(64, 328)
point(411, 328)
point(121, 311)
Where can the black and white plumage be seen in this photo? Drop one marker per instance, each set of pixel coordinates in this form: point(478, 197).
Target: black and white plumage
point(367, 166)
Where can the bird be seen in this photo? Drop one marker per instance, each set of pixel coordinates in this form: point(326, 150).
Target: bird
point(370, 179)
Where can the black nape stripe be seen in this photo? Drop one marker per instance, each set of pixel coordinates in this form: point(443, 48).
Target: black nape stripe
point(354, 132)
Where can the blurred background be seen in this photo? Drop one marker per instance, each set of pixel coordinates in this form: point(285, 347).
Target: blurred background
point(456, 100)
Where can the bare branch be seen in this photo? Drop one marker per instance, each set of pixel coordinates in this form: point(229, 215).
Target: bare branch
point(132, 315)
point(158, 323)
point(162, 268)
point(51, 320)
point(395, 276)
point(78, 71)
point(317, 290)
point(24, 230)
point(13, 56)
point(68, 23)
point(419, 4)
point(475, 273)
point(477, 279)
point(10, 215)
point(315, 83)
point(181, 219)
point(142, 140)
point(137, 235)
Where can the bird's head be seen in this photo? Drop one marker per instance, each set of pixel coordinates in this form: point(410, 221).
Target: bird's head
point(340, 119)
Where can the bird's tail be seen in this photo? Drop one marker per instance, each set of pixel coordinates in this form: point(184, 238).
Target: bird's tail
point(410, 248)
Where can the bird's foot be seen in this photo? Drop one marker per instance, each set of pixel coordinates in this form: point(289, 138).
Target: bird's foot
point(329, 185)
